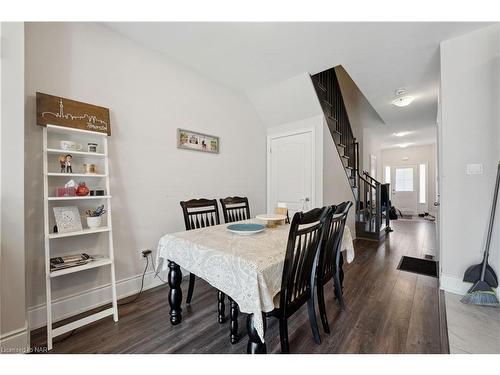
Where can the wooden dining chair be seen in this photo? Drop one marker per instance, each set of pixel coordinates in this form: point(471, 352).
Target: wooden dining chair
point(235, 209)
point(330, 258)
point(201, 213)
point(304, 239)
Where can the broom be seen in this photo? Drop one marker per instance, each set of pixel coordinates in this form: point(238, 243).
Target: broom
point(481, 292)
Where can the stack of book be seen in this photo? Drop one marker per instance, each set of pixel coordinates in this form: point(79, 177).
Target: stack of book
point(59, 263)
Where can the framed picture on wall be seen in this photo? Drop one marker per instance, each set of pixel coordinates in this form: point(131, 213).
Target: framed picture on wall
point(191, 140)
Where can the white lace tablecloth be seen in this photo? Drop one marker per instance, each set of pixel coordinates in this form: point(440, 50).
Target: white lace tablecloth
point(246, 268)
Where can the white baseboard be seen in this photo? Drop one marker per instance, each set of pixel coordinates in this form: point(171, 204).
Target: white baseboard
point(71, 305)
point(456, 285)
point(15, 342)
point(453, 284)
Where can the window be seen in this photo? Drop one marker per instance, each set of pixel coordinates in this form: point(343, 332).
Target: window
point(387, 174)
point(423, 184)
point(404, 179)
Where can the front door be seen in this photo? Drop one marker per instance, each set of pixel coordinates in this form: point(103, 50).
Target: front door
point(404, 189)
point(290, 175)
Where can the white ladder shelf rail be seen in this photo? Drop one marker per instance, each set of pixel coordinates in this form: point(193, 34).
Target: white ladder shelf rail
point(48, 237)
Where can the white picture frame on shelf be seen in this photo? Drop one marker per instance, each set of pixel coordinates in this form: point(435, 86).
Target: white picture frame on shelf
point(67, 219)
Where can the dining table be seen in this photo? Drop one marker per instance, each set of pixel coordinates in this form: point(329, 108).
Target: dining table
point(246, 268)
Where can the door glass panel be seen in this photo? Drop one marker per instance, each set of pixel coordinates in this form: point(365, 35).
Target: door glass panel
point(404, 179)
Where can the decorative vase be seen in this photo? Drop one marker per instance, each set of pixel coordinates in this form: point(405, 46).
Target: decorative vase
point(82, 190)
point(93, 222)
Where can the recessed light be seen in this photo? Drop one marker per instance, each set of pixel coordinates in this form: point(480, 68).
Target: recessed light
point(401, 134)
point(402, 99)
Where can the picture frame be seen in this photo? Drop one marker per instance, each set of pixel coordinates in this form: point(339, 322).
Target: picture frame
point(67, 219)
point(191, 140)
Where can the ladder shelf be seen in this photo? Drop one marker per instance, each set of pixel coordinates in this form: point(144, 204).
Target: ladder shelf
point(51, 133)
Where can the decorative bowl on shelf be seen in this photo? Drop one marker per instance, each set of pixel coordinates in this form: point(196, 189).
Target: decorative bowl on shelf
point(94, 222)
point(82, 190)
point(272, 219)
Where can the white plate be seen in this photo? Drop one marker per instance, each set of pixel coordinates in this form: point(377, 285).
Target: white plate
point(246, 229)
point(271, 217)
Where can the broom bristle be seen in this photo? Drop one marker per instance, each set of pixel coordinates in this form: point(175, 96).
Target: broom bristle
point(481, 294)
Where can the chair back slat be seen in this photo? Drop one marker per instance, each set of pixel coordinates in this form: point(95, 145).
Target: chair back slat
point(304, 239)
point(200, 213)
point(332, 240)
point(235, 209)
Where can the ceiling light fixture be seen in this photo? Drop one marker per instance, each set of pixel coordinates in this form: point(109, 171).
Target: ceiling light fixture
point(400, 134)
point(402, 99)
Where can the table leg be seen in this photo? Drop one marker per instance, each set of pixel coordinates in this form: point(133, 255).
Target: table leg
point(175, 293)
point(221, 306)
point(233, 324)
point(255, 345)
point(341, 274)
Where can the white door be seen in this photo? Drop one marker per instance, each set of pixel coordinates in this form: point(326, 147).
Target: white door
point(290, 174)
point(404, 188)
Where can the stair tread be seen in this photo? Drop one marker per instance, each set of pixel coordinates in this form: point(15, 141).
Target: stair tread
point(341, 145)
point(327, 103)
point(337, 132)
point(345, 156)
point(332, 118)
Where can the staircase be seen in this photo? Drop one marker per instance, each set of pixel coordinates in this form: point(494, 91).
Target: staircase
point(371, 196)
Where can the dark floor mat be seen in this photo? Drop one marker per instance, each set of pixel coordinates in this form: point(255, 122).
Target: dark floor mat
point(420, 266)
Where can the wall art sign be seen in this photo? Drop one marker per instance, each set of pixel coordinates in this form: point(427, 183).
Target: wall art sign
point(190, 140)
point(55, 110)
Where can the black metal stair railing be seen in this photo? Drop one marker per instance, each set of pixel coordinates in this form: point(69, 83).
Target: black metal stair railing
point(330, 97)
point(367, 191)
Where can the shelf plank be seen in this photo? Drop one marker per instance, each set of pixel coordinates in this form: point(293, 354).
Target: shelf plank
point(79, 232)
point(87, 197)
point(95, 175)
point(82, 322)
point(81, 153)
point(92, 264)
point(65, 130)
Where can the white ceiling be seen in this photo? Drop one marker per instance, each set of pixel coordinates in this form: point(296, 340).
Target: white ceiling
point(380, 57)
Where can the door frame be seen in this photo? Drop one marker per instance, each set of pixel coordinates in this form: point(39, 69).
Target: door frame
point(284, 134)
point(416, 181)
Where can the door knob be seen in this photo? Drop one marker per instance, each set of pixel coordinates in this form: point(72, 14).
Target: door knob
point(307, 199)
point(436, 204)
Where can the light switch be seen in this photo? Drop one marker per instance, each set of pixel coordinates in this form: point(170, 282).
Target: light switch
point(474, 169)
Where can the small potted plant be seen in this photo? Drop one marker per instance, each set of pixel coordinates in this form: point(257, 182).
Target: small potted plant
point(94, 217)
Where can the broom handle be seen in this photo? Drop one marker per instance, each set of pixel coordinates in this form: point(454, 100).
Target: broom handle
point(490, 225)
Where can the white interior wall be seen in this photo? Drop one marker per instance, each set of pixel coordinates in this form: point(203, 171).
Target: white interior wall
point(415, 155)
point(13, 327)
point(363, 118)
point(287, 101)
point(469, 133)
point(149, 97)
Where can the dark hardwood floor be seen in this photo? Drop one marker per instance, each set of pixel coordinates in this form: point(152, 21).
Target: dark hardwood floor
point(388, 311)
